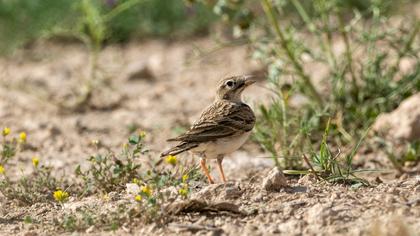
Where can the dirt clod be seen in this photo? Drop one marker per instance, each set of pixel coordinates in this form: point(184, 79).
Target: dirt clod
point(139, 70)
point(402, 124)
point(219, 192)
point(275, 180)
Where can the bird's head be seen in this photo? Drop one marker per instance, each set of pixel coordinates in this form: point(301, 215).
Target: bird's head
point(231, 88)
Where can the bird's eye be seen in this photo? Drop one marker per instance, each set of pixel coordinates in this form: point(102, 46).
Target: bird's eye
point(230, 83)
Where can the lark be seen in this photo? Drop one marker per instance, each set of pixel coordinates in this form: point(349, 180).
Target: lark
point(222, 128)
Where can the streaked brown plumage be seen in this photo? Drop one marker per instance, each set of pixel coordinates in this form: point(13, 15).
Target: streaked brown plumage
point(222, 127)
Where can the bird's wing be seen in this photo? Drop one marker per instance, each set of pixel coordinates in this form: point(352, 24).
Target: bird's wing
point(221, 119)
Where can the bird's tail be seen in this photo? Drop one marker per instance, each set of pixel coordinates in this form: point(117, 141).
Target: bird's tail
point(182, 147)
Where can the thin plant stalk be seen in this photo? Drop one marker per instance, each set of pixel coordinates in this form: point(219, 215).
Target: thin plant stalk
point(313, 29)
point(348, 53)
point(285, 44)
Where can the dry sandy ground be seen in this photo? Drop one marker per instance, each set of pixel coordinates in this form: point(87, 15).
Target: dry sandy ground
point(33, 81)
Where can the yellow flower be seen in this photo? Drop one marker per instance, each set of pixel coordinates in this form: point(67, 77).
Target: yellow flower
point(35, 161)
point(125, 145)
point(183, 192)
point(61, 196)
point(135, 181)
point(142, 134)
point(138, 198)
point(6, 131)
point(2, 170)
point(146, 190)
point(22, 137)
point(185, 178)
point(171, 160)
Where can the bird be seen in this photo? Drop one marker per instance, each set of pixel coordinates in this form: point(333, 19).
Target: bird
point(222, 128)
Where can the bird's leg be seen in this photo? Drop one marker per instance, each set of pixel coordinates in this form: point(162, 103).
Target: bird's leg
point(219, 165)
point(205, 170)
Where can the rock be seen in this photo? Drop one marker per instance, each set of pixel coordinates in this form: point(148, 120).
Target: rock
point(132, 189)
point(275, 180)
point(307, 180)
point(219, 192)
point(139, 70)
point(232, 192)
point(170, 192)
point(402, 124)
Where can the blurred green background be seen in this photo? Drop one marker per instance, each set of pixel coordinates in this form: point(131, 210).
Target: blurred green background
point(22, 21)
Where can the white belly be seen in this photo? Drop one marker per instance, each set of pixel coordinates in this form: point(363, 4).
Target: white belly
point(222, 146)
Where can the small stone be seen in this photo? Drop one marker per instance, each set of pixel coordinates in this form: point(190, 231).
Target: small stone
point(132, 189)
point(90, 229)
point(232, 192)
point(275, 180)
point(258, 198)
point(139, 70)
point(307, 180)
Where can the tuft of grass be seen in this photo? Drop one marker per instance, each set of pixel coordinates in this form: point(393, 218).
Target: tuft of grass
point(284, 132)
point(36, 187)
point(331, 167)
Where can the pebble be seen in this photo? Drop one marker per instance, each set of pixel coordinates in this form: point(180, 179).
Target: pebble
point(275, 180)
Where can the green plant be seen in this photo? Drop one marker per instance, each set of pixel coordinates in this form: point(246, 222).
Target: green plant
point(158, 185)
point(23, 21)
point(359, 82)
point(28, 189)
point(359, 91)
point(92, 29)
point(9, 147)
point(38, 186)
point(86, 217)
point(330, 167)
point(285, 132)
point(147, 18)
point(109, 172)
